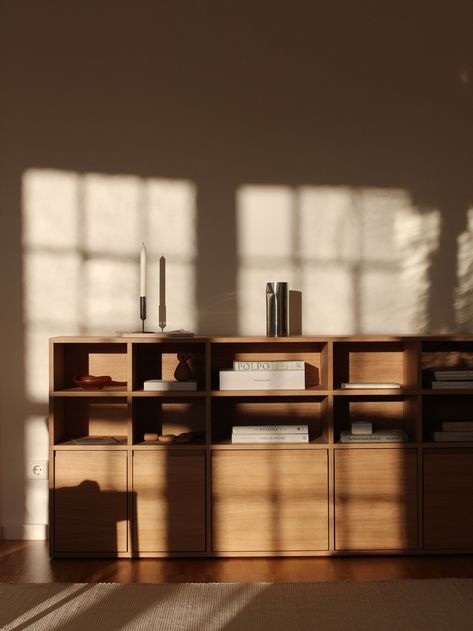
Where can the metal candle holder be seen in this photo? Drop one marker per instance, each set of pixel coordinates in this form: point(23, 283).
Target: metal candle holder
point(143, 312)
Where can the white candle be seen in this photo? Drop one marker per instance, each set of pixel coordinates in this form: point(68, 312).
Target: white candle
point(143, 271)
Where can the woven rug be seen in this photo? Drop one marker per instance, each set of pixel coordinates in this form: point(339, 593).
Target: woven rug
point(430, 605)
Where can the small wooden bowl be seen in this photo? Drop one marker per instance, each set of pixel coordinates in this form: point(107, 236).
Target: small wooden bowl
point(89, 382)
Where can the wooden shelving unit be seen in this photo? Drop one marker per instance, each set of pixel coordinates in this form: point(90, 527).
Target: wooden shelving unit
point(214, 498)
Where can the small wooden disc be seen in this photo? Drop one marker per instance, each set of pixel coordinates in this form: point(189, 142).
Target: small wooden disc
point(150, 436)
point(167, 438)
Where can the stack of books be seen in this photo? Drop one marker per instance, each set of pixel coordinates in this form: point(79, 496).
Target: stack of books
point(264, 375)
point(244, 434)
point(362, 432)
point(455, 431)
point(452, 379)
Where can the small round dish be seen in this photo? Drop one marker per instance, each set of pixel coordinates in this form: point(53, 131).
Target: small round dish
point(89, 382)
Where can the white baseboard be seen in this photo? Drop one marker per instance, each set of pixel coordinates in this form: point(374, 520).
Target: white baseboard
point(24, 531)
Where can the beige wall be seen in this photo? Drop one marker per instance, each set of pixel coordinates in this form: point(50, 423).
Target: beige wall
point(327, 144)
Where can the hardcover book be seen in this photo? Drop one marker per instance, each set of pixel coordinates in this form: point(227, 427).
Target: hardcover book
point(262, 380)
point(447, 437)
point(94, 440)
point(368, 386)
point(268, 365)
point(457, 426)
point(269, 438)
point(453, 375)
point(446, 385)
point(379, 436)
point(270, 429)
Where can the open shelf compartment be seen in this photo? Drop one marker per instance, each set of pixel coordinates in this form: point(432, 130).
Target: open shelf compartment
point(382, 362)
point(313, 354)
point(168, 416)
point(384, 412)
point(76, 418)
point(159, 361)
point(253, 411)
point(445, 355)
point(91, 358)
point(435, 410)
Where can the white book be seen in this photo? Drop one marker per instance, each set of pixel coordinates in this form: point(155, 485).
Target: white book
point(269, 365)
point(378, 436)
point(158, 385)
point(269, 438)
point(262, 380)
point(368, 386)
point(270, 429)
point(447, 437)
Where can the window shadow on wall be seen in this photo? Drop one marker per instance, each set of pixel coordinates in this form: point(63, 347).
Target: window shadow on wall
point(332, 95)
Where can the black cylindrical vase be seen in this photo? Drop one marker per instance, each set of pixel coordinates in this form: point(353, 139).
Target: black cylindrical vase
point(277, 309)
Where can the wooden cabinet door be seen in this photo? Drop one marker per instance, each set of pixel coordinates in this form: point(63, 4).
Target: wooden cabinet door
point(375, 499)
point(269, 500)
point(169, 501)
point(448, 499)
point(90, 501)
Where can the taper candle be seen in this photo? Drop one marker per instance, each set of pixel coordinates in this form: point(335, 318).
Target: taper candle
point(143, 271)
point(162, 293)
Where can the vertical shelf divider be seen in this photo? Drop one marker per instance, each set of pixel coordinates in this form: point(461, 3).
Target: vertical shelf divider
point(208, 451)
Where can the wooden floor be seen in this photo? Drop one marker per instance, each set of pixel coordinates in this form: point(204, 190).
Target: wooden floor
point(28, 561)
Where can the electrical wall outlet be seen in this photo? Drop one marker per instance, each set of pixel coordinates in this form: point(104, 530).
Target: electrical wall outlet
point(38, 470)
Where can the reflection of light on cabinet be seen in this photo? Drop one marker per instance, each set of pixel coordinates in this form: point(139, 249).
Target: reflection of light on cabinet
point(269, 500)
point(376, 499)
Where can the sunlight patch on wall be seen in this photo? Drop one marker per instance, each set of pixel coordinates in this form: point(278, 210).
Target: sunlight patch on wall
point(359, 256)
point(82, 235)
point(172, 219)
point(265, 235)
point(113, 214)
point(464, 294)
point(50, 209)
point(416, 236)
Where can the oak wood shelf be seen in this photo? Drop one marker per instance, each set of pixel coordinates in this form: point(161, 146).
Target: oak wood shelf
point(129, 499)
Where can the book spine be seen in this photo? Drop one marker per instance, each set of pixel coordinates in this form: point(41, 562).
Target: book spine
point(466, 375)
point(457, 426)
point(445, 385)
point(262, 380)
point(268, 365)
point(368, 386)
point(370, 439)
point(270, 429)
point(269, 438)
point(447, 437)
